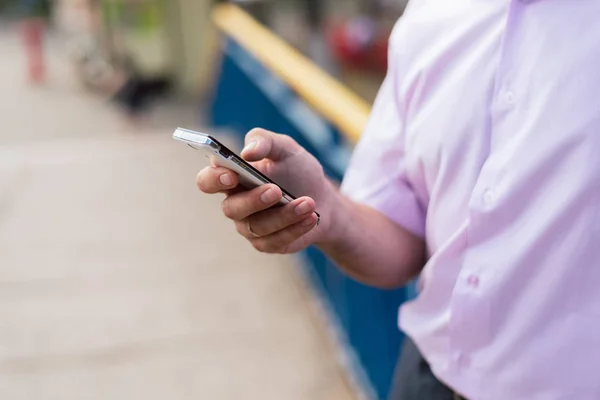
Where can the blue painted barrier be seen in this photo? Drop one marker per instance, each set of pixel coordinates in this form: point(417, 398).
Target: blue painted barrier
point(248, 95)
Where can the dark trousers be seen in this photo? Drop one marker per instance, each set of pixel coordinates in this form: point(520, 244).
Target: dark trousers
point(414, 380)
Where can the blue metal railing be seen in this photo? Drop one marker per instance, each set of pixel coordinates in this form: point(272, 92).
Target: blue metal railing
point(248, 95)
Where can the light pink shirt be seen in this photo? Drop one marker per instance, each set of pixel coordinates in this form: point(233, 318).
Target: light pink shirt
point(485, 141)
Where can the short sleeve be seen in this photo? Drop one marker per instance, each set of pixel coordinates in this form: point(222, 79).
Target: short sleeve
point(377, 175)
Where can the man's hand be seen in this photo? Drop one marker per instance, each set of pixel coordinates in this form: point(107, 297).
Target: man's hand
point(286, 229)
point(366, 244)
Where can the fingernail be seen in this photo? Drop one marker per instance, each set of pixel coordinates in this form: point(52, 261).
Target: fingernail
point(226, 180)
point(309, 221)
point(250, 146)
point(302, 208)
point(268, 196)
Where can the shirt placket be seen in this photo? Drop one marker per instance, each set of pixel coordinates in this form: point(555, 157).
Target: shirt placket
point(471, 309)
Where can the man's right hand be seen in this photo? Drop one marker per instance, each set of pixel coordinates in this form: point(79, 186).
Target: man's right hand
point(286, 229)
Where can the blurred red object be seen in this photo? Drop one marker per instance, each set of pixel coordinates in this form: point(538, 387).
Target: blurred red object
point(359, 45)
point(32, 31)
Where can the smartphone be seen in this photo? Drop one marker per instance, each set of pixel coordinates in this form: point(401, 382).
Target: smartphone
point(220, 156)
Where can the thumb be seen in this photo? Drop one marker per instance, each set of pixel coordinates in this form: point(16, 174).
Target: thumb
point(261, 143)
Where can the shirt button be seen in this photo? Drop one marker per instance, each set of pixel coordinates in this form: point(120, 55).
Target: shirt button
point(509, 97)
point(489, 197)
point(463, 360)
point(473, 281)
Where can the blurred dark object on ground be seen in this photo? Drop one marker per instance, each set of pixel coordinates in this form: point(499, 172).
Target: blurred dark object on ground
point(137, 95)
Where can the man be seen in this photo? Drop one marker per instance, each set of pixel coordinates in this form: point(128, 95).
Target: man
point(479, 171)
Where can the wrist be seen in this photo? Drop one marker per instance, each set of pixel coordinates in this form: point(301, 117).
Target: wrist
point(334, 218)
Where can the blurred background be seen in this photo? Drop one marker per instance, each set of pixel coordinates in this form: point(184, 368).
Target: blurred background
point(118, 280)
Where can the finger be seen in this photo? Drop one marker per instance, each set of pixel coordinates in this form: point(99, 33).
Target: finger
point(241, 205)
point(261, 144)
point(276, 219)
point(216, 179)
point(283, 241)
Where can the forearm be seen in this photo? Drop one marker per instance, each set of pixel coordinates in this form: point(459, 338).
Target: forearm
point(369, 246)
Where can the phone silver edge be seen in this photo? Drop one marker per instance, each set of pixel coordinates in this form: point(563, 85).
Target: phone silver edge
point(203, 143)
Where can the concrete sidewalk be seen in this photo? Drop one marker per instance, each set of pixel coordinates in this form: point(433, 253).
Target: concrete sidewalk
point(118, 280)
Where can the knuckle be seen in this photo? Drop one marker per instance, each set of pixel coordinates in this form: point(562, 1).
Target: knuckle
point(286, 139)
point(289, 143)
